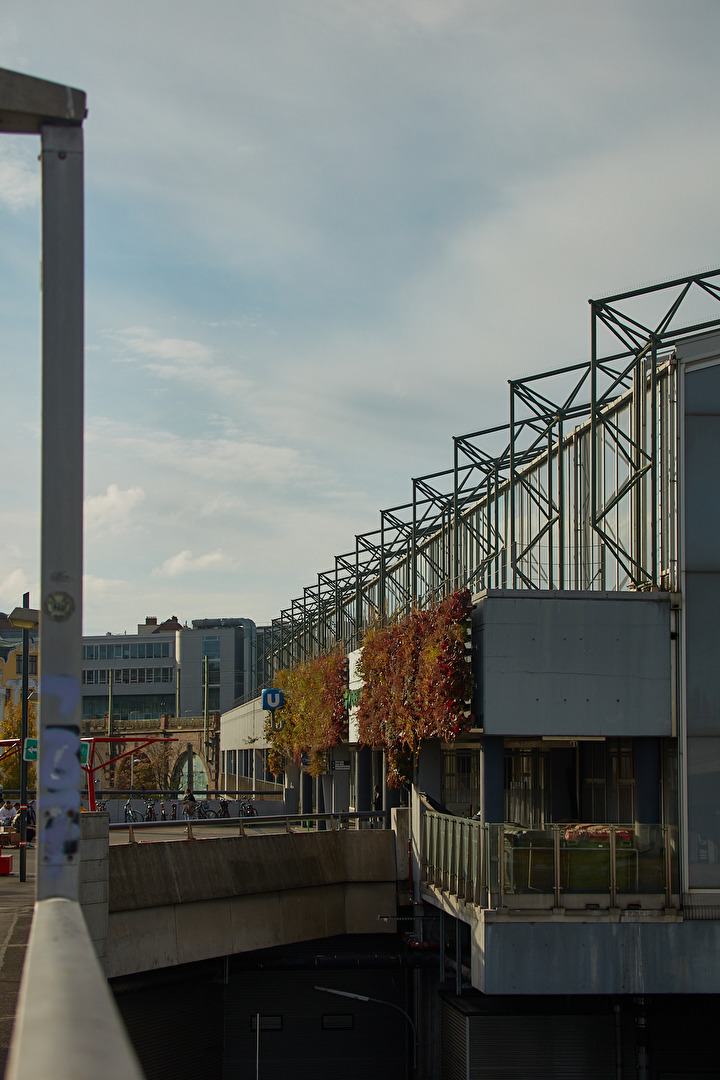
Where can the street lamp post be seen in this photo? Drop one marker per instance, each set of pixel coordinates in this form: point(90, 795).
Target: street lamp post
point(25, 619)
point(378, 1001)
point(133, 762)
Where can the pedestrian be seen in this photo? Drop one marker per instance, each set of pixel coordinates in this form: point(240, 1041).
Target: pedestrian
point(189, 805)
point(29, 829)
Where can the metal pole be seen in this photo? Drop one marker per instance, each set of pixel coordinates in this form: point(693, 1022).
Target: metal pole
point(257, 1046)
point(110, 705)
point(23, 736)
point(59, 772)
point(190, 766)
point(206, 702)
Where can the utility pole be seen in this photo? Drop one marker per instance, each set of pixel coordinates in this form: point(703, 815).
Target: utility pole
point(206, 710)
point(25, 690)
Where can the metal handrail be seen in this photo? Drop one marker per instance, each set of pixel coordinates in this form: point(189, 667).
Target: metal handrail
point(479, 862)
point(358, 816)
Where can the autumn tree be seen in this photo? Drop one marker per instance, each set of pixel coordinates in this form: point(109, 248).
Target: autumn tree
point(153, 771)
point(10, 729)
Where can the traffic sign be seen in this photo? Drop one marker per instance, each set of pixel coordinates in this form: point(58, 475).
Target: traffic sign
point(272, 700)
point(30, 753)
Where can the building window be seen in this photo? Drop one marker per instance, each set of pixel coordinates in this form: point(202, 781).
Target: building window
point(32, 664)
point(337, 1022)
point(94, 676)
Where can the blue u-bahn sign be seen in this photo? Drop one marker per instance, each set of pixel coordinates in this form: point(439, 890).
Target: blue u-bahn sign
point(272, 700)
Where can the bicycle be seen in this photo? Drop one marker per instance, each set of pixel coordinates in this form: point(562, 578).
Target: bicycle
point(247, 809)
point(204, 810)
point(224, 810)
point(131, 814)
point(150, 814)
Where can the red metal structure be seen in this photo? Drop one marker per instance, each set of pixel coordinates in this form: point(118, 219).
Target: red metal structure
point(9, 747)
point(91, 768)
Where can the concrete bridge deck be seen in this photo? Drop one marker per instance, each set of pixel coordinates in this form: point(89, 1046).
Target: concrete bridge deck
point(176, 902)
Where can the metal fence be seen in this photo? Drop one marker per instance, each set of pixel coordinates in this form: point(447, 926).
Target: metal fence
point(500, 865)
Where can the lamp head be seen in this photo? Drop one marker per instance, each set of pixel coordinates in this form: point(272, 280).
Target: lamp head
point(23, 618)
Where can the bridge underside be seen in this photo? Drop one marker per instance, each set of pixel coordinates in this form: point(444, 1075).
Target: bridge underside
point(183, 901)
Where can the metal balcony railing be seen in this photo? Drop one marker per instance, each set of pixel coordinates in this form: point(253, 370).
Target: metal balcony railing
point(508, 865)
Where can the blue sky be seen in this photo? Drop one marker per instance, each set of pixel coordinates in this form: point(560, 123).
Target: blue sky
point(321, 236)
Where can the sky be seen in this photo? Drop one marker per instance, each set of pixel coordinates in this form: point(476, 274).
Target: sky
point(321, 236)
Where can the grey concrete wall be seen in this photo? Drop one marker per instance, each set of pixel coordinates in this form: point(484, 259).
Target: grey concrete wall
point(178, 902)
point(572, 664)
point(596, 957)
point(94, 879)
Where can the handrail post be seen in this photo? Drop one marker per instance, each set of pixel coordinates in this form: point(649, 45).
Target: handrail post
point(613, 867)
point(556, 865)
point(501, 864)
point(483, 837)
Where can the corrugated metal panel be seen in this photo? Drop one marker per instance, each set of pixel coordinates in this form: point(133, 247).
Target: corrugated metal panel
point(176, 1029)
point(542, 1047)
point(682, 1038)
point(526, 1047)
point(453, 1042)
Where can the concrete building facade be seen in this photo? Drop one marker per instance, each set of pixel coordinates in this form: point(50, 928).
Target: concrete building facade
point(168, 669)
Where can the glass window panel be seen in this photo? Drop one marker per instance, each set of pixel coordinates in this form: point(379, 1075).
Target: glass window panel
point(703, 818)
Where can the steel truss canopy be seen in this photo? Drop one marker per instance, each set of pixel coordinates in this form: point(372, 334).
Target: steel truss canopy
point(575, 492)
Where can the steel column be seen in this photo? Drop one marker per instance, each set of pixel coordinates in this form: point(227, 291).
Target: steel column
point(59, 772)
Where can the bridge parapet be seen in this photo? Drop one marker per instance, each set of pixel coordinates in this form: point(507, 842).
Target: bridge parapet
point(178, 902)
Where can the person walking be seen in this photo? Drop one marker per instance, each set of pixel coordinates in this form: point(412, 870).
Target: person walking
point(188, 805)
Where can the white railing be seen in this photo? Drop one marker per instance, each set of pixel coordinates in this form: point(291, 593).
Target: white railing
point(67, 1025)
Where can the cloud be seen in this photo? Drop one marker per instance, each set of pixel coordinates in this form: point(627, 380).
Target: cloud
point(185, 563)
point(99, 589)
point(19, 174)
point(111, 510)
point(177, 358)
point(194, 458)
point(12, 589)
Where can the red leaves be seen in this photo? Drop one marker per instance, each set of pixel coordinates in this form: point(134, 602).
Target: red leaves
point(417, 680)
point(313, 715)
point(417, 683)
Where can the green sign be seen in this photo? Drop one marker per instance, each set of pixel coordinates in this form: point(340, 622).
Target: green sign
point(30, 753)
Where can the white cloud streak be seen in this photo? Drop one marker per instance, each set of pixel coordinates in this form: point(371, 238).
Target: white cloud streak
point(186, 563)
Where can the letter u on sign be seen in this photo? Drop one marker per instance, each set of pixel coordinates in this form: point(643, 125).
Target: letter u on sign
point(272, 700)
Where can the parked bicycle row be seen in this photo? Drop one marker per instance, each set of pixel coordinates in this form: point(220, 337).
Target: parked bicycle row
point(136, 810)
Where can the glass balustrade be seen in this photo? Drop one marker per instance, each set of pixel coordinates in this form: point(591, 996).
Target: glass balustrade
point(490, 864)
